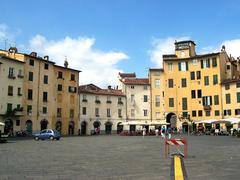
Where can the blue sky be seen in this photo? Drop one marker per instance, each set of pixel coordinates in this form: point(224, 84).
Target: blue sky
point(128, 32)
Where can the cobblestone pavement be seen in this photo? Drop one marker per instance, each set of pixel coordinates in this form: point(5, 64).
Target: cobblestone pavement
point(116, 157)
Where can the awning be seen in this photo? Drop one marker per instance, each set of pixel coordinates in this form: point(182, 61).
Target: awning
point(208, 121)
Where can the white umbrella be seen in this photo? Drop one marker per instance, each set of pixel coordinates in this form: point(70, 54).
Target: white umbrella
point(232, 120)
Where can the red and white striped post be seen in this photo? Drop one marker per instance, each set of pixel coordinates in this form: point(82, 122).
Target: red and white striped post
point(175, 142)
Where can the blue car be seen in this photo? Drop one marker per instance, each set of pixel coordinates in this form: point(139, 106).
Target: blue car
point(47, 134)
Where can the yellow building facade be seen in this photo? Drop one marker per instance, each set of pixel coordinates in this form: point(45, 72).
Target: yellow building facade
point(50, 98)
point(190, 85)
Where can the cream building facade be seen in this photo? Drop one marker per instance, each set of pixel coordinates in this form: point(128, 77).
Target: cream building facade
point(101, 109)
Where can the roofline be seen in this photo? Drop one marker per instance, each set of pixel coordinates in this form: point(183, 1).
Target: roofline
point(38, 58)
point(186, 41)
point(156, 69)
point(67, 68)
point(105, 94)
point(227, 81)
point(193, 57)
point(15, 60)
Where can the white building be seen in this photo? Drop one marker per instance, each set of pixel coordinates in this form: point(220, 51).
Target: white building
point(11, 88)
point(137, 91)
point(103, 109)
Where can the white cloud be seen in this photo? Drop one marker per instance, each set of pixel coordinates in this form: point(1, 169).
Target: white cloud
point(232, 47)
point(163, 46)
point(97, 66)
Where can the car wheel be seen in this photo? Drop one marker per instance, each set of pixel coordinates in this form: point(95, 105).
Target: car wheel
point(51, 137)
point(36, 138)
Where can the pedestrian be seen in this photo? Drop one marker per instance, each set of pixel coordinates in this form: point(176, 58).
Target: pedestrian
point(144, 132)
point(156, 132)
point(169, 133)
point(163, 132)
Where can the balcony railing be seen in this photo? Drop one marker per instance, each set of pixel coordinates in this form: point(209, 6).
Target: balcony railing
point(207, 107)
point(97, 101)
point(120, 102)
point(109, 102)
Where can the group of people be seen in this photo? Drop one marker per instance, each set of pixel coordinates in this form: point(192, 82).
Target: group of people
point(164, 132)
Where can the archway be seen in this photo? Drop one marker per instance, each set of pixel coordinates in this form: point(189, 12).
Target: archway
point(96, 126)
point(29, 126)
point(59, 126)
point(172, 120)
point(119, 128)
point(44, 124)
point(108, 127)
point(71, 128)
point(185, 127)
point(84, 128)
point(8, 128)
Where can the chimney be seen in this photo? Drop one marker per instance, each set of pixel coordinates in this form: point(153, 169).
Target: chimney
point(13, 50)
point(46, 58)
point(33, 54)
point(109, 87)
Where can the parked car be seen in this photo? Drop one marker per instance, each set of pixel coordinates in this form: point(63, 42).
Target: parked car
point(47, 134)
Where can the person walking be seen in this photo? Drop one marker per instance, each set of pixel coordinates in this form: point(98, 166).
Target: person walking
point(156, 132)
point(163, 132)
point(144, 131)
point(169, 131)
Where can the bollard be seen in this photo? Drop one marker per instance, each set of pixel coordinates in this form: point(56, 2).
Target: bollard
point(178, 171)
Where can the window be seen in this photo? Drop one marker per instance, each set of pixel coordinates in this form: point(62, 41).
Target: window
point(157, 101)
point(216, 100)
point(44, 110)
point(145, 98)
point(184, 103)
point(108, 112)
point(9, 107)
point(194, 113)
point(214, 62)
point(120, 101)
point(192, 75)
point(19, 91)
point(59, 112)
point(183, 66)
point(72, 77)
point(132, 112)
point(205, 63)
point(194, 62)
point(200, 113)
point(17, 122)
point(60, 75)
point(193, 92)
point(199, 93)
point(157, 73)
point(84, 97)
point(72, 89)
point(184, 82)
point(198, 74)
point(206, 80)
point(227, 86)
point(45, 66)
point(217, 113)
point(30, 92)
point(228, 99)
point(145, 87)
point(171, 102)
point(71, 113)
point(59, 87)
point(97, 112)
point(132, 87)
point(45, 96)
point(45, 79)
point(227, 112)
point(207, 100)
point(170, 83)
point(20, 74)
point(120, 113)
point(145, 112)
point(238, 97)
point(228, 67)
point(185, 114)
point(215, 79)
point(10, 90)
point(11, 72)
point(30, 76)
point(238, 85)
point(157, 83)
point(170, 66)
point(237, 111)
point(29, 109)
point(207, 113)
point(31, 62)
point(132, 97)
point(84, 110)
point(157, 114)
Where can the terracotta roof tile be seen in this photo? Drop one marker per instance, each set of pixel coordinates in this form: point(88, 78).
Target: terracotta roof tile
point(137, 81)
point(124, 75)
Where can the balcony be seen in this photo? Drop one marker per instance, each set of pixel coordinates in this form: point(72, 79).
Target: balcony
point(207, 107)
point(20, 76)
point(97, 101)
point(109, 102)
point(120, 102)
point(11, 76)
point(84, 100)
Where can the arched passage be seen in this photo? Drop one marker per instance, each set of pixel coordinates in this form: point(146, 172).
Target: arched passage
point(84, 128)
point(8, 128)
point(29, 126)
point(44, 124)
point(172, 119)
point(71, 128)
point(108, 127)
point(119, 128)
point(59, 126)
